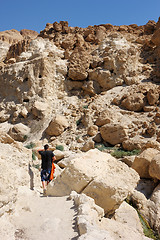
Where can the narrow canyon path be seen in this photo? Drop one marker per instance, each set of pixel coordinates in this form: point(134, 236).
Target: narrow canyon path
point(37, 217)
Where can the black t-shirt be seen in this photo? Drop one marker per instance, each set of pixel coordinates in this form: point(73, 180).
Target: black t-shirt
point(46, 159)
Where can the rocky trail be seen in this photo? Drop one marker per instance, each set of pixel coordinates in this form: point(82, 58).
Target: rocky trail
point(40, 217)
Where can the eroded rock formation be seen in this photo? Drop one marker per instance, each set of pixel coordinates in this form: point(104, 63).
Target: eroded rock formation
point(75, 88)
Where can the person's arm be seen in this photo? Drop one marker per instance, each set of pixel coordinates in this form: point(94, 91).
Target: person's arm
point(53, 158)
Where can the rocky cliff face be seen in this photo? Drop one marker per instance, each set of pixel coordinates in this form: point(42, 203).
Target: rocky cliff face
point(79, 87)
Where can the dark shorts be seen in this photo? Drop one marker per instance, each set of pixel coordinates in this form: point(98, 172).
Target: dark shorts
point(45, 175)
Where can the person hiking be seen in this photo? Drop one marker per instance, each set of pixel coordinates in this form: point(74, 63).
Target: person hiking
point(47, 166)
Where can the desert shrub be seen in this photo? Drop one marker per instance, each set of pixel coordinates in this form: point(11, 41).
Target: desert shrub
point(147, 230)
point(101, 147)
point(60, 147)
point(78, 122)
point(36, 166)
point(30, 145)
point(85, 106)
point(119, 153)
point(33, 156)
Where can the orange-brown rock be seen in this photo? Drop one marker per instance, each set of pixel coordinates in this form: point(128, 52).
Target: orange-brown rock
point(28, 34)
point(79, 64)
point(134, 102)
point(157, 118)
point(156, 38)
point(16, 49)
point(150, 27)
point(152, 97)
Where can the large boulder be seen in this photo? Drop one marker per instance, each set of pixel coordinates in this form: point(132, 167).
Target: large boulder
point(106, 116)
point(154, 167)
point(142, 162)
point(92, 130)
point(57, 126)
point(134, 102)
point(98, 175)
point(14, 173)
point(39, 109)
point(19, 132)
point(79, 64)
point(105, 79)
point(154, 209)
point(113, 133)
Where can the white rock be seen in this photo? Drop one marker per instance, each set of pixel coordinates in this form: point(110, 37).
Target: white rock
point(98, 175)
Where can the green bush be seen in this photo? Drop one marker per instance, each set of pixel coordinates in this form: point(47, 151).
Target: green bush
point(119, 153)
point(85, 106)
point(30, 145)
point(33, 156)
point(148, 232)
point(60, 147)
point(78, 122)
point(36, 166)
point(101, 147)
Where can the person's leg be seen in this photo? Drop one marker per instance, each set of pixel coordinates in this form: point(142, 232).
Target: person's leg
point(44, 184)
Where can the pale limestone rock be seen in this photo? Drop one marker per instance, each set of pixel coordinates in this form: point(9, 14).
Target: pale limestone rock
point(88, 217)
point(98, 175)
point(141, 162)
point(5, 138)
point(154, 209)
point(19, 132)
point(4, 116)
point(57, 126)
point(24, 112)
point(11, 36)
point(140, 143)
point(39, 109)
point(4, 47)
point(7, 230)
point(128, 160)
point(96, 234)
point(127, 215)
point(87, 146)
point(92, 130)
point(118, 231)
point(57, 171)
point(105, 117)
point(154, 167)
point(113, 133)
point(13, 163)
point(59, 154)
